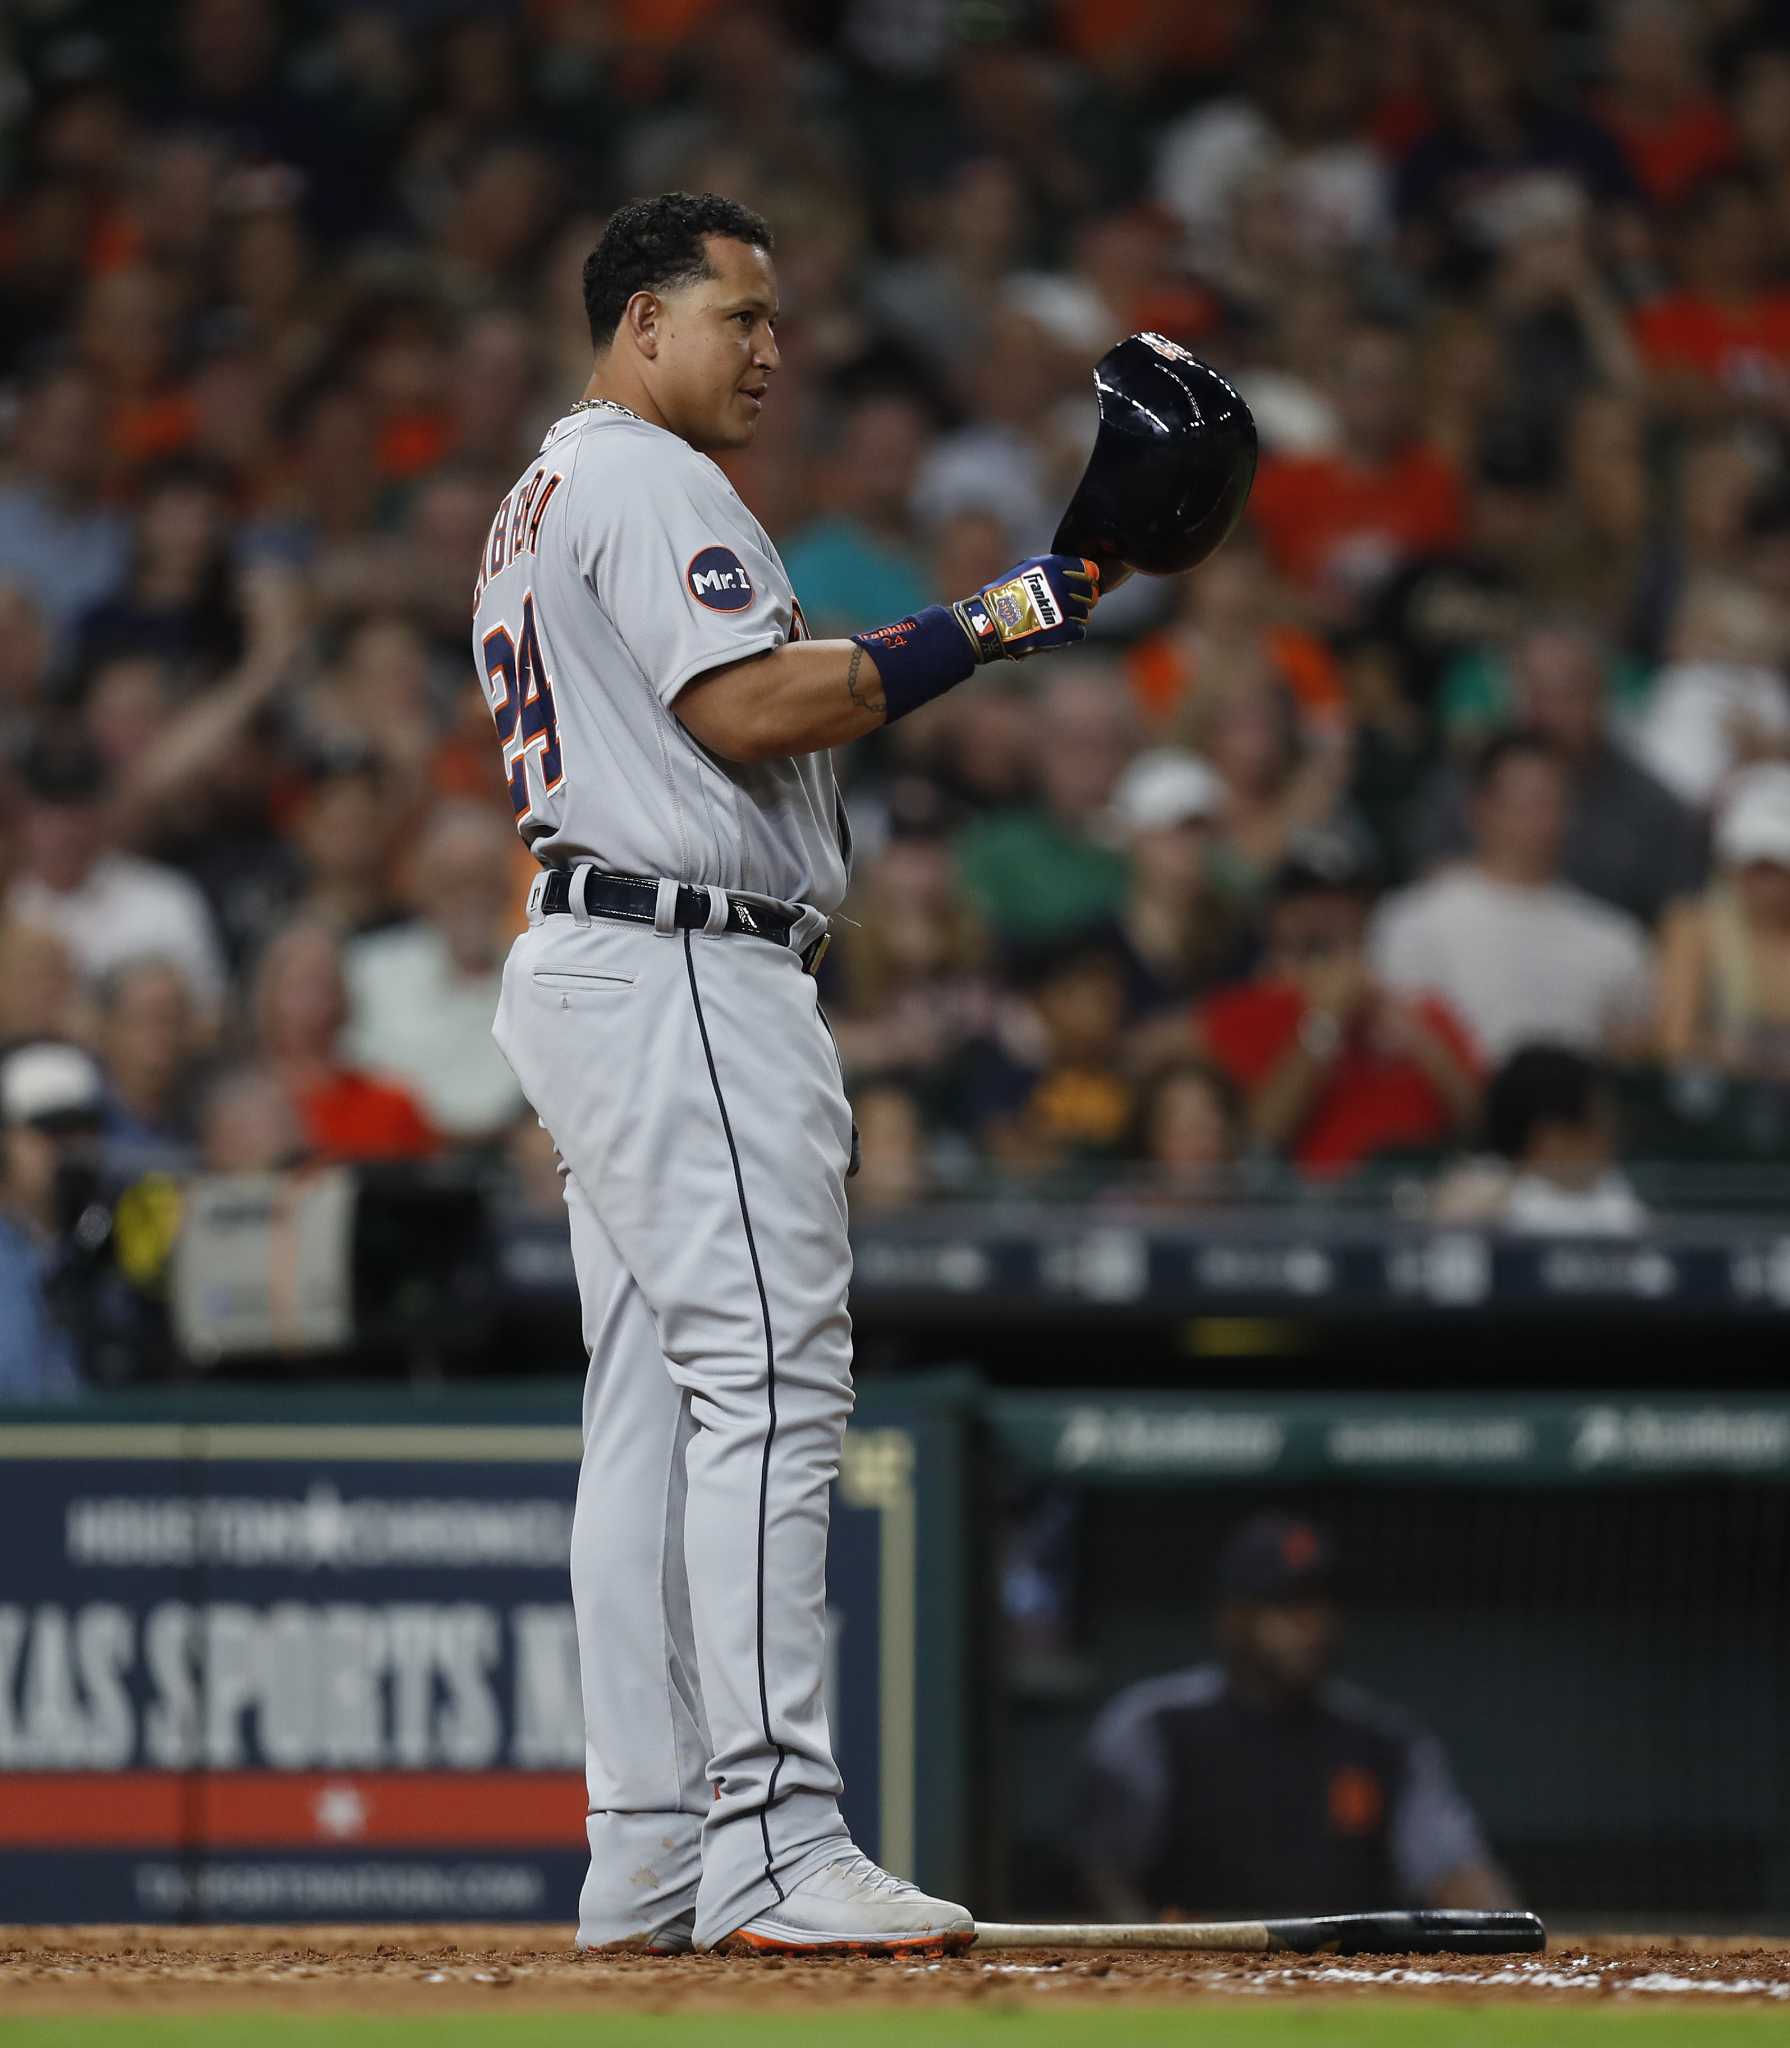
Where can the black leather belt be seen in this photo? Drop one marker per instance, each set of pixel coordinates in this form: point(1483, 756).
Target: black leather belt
point(634, 900)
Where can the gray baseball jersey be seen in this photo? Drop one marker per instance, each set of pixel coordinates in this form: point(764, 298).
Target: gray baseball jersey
point(622, 566)
point(691, 1087)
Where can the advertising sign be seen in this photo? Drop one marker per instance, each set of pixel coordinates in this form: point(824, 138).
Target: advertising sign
point(272, 1672)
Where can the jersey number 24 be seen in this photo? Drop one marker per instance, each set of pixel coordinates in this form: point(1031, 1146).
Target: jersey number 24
point(521, 693)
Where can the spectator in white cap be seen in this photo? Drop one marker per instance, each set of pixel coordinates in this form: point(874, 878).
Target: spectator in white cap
point(1178, 933)
point(51, 1097)
point(1724, 997)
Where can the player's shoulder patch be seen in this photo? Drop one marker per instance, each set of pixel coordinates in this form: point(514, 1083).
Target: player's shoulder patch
point(717, 578)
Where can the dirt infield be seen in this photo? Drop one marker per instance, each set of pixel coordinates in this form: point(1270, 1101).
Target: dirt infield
point(378, 1970)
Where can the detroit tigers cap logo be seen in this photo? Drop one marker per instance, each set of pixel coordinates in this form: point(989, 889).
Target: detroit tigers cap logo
point(717, 578)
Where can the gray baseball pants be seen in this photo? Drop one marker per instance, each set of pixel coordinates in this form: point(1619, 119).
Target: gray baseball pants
point(692, 1090)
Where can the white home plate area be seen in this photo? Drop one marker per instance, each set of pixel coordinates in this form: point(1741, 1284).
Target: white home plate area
point(1603, 1966)
point(1560, 1973)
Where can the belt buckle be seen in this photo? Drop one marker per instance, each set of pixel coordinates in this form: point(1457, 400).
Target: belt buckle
point(816, 953)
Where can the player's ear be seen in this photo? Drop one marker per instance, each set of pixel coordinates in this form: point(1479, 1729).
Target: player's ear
point(641, 319)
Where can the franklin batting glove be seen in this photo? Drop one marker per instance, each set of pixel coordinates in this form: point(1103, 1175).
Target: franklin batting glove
point(1039, 606)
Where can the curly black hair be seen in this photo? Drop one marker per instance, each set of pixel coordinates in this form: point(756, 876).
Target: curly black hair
point(651, 244)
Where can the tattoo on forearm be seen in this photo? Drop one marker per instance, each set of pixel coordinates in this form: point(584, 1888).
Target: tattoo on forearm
point(872, 700)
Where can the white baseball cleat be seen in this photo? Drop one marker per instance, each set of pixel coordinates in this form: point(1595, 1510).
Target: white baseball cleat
point(850, 1907)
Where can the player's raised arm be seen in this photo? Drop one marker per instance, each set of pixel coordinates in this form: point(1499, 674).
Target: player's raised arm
point(690, 579)
point(810, 694)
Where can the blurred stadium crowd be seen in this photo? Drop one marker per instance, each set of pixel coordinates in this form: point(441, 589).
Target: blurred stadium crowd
point(1453, 790)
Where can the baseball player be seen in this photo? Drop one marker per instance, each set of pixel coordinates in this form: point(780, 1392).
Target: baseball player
point(665, 721)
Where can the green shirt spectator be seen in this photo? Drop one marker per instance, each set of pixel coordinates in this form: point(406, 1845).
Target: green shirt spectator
point(1048, 870)
point(1033, 878)
point(1480, 690)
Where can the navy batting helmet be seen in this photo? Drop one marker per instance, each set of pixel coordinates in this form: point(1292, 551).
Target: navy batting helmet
point(1172, 463)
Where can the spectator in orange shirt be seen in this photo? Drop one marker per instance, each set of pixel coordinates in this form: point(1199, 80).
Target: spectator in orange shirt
point(1333, 1066)
point(1724, 336)
point(300, 1008)
point(1658, 105)
point(128, 332)
point(1230, 618)
point(1339, 524)
point(401, 369)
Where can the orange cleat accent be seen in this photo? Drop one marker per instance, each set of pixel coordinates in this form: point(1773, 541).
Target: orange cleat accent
point(747, 1944)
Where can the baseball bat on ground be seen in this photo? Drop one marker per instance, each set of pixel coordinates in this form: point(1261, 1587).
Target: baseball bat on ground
point(1438, 1932)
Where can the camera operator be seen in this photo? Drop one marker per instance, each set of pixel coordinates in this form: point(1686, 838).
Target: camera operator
point(51, 1105)
point(83, 1246)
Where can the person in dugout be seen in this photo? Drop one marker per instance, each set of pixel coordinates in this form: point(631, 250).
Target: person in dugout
point(1261, 1784)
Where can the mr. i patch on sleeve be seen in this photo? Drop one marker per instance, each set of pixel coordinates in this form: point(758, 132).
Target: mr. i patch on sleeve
point(717, 578)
